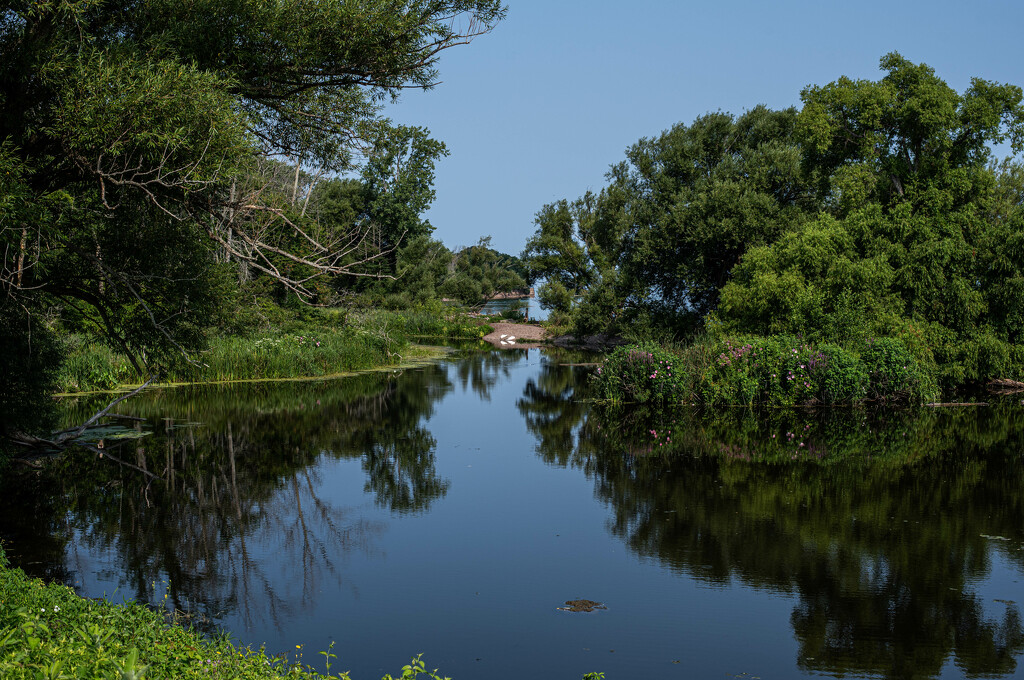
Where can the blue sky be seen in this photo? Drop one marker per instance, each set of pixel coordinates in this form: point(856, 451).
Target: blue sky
point(541, 107)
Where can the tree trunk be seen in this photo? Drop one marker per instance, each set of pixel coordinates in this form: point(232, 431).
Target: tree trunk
point(21, 254)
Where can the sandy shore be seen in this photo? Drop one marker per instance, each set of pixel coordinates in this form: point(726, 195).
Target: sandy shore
point(521, 335)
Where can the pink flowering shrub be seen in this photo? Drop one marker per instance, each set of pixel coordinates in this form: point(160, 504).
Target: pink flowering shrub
point(777, 370)
point(641, 373)
point(771, 371)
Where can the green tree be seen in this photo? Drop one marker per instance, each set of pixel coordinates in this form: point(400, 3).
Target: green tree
point(136, 138)
point(399, 185)
point(575, 251)
point(700, 195)
point(478, 272)
point(908, 137)
point(660, 241)
point(923, 239)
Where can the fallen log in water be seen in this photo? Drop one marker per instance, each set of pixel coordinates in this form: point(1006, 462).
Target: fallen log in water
point(1005, 385)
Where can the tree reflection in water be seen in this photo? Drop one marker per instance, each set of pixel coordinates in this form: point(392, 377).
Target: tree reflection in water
point(481, 370)
point(877, 523)
point(241, 504)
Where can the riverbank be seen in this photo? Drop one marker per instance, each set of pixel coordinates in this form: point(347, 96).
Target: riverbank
point(774, 371)
point(415, 356)
point(48, 631)
point(521, 335)
point(318, 344)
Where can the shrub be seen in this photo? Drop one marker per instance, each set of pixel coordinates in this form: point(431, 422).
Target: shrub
point(773, 371)
point(91, 365)
point(776, 370)
point(641, 373)
point(846, 380)
point(896, 374)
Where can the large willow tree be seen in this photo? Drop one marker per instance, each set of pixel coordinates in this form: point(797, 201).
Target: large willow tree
point(135, 138)
point(922, 235)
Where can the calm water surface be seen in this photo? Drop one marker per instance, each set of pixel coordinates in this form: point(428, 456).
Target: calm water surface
point(452, 509)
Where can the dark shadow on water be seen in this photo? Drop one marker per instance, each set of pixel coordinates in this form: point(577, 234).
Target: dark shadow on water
point(240, 493)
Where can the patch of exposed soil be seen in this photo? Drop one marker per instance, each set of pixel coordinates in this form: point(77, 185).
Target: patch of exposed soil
point(515, 335)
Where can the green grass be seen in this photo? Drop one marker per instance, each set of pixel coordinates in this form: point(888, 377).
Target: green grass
point(309, 353)
point(328, 342)
point(313, 352)
point(91, 365)
point(47, 632)
point(428, 323)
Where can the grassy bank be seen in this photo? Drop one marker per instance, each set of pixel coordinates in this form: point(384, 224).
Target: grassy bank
point(314, 344)
point(770, 371)
point(48, 632)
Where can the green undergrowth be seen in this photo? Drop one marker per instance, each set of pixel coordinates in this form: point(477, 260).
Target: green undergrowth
point(310, 345)
point(430, 324)
point(47, 632)
point(311, 352)
point(769, 371)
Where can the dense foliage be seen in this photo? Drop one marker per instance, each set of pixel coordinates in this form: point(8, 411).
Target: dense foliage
point(166, 167)
point(774, 371)
point(875, 211)
point(427, 271)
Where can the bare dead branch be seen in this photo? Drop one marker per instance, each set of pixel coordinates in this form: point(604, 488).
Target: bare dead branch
point(74, 433)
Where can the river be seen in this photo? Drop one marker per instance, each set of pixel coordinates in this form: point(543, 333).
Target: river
point(453, 509)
